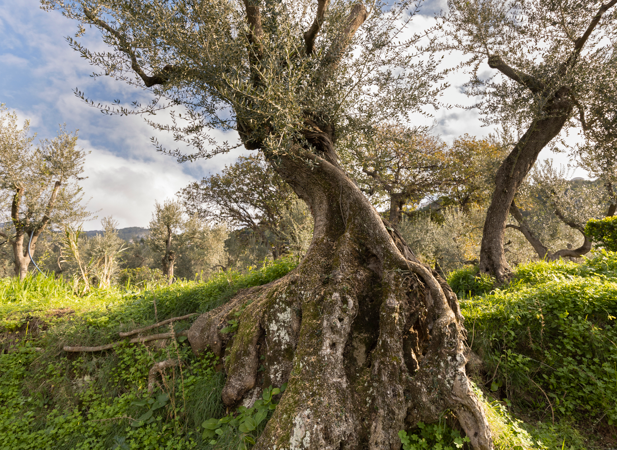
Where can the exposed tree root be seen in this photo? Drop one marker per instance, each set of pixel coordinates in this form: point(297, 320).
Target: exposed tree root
point(366, 353)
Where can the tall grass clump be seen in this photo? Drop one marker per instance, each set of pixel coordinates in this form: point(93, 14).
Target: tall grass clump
point(469, 282)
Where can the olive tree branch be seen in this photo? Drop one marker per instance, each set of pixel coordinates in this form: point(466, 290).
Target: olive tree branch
point(530, 82)
point(356, 18)
point(253, 17)
point(580, 42)
point(125, 47)
point(311, 34)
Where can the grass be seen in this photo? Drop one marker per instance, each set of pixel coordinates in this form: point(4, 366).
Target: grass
point(548, 344)
point(51, 399)
point(547, 341)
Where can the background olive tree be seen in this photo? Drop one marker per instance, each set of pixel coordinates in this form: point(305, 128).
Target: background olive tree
point(38, 186)
point(549, 58)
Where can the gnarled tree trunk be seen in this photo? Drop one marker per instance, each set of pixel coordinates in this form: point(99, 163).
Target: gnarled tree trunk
point(509, 177)
point(20, 253)
point(369, 341)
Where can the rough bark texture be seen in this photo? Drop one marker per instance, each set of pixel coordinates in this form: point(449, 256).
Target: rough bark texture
point(509, 177)
point(369, 340)
point(397, 201)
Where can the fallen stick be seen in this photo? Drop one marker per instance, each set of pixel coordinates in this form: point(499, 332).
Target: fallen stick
point(156, 325)
point(152, 337)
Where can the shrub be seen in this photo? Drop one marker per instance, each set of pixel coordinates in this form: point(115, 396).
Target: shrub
point(468, 282)
point(603, 232)
point(142, 277)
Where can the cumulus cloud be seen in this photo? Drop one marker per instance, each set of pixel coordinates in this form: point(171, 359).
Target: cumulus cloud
point(125, 174)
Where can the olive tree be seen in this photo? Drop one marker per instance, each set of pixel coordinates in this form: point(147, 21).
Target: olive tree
point(401, 165)
point(168, 221)
point(247, 194)
point(552, 210)
point(38, 186)
point(547, 57)
point(368, 339)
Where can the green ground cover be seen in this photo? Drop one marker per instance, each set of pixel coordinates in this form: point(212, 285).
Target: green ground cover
point(547, 343)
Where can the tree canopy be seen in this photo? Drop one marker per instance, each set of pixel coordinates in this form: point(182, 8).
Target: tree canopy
point(38, 185)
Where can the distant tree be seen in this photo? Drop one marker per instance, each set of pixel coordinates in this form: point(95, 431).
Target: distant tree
point(200, 248)
point(246, 195)
point(549, 55)
point(397, 166)
point(472, 164)
point(38, 186)
point(94, 261)
point(168, 220)
point(548, 202)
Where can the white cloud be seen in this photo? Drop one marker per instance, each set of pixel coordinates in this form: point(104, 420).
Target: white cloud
point(125, 174)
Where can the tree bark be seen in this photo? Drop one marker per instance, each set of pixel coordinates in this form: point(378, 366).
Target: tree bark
point(169, 258)
point(509, 177)
point(20, 254)
point(541, 249)
point(369, 340)
point(397, 201)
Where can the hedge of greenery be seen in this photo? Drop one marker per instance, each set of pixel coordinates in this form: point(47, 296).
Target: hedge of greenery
point(549, 339)
point(603, 232)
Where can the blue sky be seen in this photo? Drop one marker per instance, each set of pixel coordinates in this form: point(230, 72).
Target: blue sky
point(38, 74)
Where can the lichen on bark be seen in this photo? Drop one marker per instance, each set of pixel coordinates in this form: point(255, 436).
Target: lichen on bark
point(368, 340)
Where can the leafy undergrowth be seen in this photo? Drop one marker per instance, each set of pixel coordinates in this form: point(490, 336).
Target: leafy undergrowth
point(53, 399)
point(548, 342)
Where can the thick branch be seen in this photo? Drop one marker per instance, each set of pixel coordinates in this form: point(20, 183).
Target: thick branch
point(311, 34)
point(533, 84)
point(356, 17)
point(580, 42)
point(537, 245)
point(253, 17)
point(15, 204)
point(570, 223)
point(124, 46)
point(48, 209)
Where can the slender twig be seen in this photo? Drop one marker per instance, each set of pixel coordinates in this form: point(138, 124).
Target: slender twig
point(156, 325)
point(547, 399)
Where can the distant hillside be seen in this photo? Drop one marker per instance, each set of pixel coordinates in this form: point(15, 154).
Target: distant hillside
point(128, 234)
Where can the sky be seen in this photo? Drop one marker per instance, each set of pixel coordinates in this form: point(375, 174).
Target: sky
point(39, 73)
